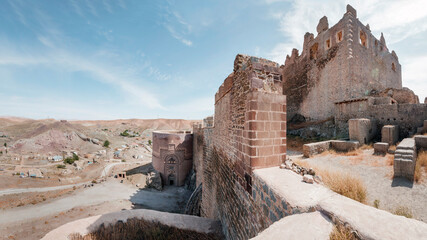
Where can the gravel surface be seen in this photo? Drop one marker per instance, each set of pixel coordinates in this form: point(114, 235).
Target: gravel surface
point(377, 176)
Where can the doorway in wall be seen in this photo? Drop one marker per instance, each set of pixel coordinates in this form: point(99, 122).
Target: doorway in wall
point(171, 179)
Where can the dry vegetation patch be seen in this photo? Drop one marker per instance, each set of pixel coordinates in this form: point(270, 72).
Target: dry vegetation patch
point(403, 211)
point(142, 229)
point(22, 199)
point(420, 166)
point(342, 183)
point(341, 233)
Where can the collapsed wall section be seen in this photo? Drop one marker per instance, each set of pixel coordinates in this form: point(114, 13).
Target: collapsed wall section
point(249, 133)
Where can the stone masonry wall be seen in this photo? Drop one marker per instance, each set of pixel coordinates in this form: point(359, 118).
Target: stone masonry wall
point(407, 116)
point(249, 132)
point(337, 65)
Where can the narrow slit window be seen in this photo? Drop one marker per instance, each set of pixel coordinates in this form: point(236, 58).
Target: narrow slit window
point(328, 43)
point(339, 36)
point(363, 39)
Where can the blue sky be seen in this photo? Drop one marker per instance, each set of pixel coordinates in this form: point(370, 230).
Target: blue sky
point(110, 59)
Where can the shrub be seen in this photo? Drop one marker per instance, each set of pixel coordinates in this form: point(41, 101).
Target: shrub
point(403, 211)
point(125, 133)
point(123, 160)
point(75, 157)
point(60, 166)
point(341, 233)
point(377, 203)
point(106, 143)
point(5, 144)
point(69, 160)
point(421, 163)
point(149, 142)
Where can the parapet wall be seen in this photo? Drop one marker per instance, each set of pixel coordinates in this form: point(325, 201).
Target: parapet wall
point(249, 132)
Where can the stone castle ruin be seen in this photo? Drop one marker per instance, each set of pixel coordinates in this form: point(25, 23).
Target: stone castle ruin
point(345, 72)
point(342, 73)
point(345, 83)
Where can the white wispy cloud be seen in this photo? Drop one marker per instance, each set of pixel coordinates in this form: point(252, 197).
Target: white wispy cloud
point(177, 26)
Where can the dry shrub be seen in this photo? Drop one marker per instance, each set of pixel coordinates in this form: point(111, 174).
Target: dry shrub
point(344, 184)
point(142, 229)
point(366, 146)
point(340, 182)
point(403, 211)
point(390, 160)
point(392, 148)
point(341, 233)
point(421, 163)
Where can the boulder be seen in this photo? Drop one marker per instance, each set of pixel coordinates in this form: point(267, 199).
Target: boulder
point(154, 180)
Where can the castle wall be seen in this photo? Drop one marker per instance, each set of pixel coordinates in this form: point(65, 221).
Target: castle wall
point(337, 65)
point(249, 132)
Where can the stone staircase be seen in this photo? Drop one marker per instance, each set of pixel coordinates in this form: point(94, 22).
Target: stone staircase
point(405, 158)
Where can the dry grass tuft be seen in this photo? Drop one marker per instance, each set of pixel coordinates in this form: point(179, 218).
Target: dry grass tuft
point(392, 148)
point(341, 233)
point(421, 163)
point(366, 146)
point(340, 182)
point(403, 211)
point(390, 160)
point(142, 229)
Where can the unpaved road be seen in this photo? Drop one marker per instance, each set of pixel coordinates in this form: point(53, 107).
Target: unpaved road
point(171, 199)
point(44, 189)
point(104, 173)
point(106, 191)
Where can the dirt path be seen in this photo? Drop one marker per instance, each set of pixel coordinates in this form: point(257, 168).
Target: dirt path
point(44, 189)
point(106, 191)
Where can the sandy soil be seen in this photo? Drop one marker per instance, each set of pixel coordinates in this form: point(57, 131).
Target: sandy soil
point(376, 173)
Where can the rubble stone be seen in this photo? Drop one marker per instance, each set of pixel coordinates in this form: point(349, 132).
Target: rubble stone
point(308, 178)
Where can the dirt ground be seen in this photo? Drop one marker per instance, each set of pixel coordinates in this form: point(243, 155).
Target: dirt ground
point(37, 228)
point(22, 199)
point(377, 174)
point(34, 221)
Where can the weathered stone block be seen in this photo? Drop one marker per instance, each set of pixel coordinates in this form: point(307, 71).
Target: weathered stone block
point(360, 129)
point(344, 146)
point(381, 148)
point(405, 159)
point(421, 142)
point(315, 148)
point(390, 134)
